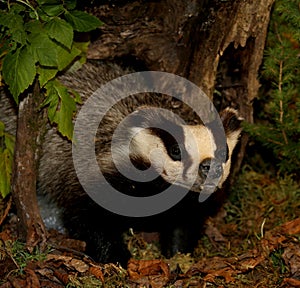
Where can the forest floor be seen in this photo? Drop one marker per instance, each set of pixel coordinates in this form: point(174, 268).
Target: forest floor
point(254, 241)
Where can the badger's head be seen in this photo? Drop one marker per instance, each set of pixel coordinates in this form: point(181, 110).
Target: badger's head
point(180, 153)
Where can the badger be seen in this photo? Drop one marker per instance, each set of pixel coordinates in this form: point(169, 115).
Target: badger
point(102, 229)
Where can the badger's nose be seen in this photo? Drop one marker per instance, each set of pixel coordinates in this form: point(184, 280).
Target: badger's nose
point(204, 167)
point(208, 164)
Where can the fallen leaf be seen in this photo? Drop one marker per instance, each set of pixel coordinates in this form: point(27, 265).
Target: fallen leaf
point(291, 227)
point(291, 281)
point(97, 272)
point(138, 268)
point(226, 273)
point(31, 279)
point(62, 276)
point(17, 282)
point(215, 267)
point(47, 273)
point(291, 257)
point(58, 258)
point(69, 261)
point(78, 265)
point(149, 273)
point(213, 233)
point(251, 263)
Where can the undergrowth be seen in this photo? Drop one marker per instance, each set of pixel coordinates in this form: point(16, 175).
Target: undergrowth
point(277, 125)
point(257, 203)
point(20, 256)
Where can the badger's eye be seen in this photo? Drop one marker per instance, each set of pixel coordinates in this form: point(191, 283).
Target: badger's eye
point(175, 152)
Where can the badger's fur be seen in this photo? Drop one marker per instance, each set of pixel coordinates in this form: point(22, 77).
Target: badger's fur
point(100, 228)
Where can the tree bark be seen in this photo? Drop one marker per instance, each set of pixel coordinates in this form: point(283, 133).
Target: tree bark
point(30, 129)
point(218, 45)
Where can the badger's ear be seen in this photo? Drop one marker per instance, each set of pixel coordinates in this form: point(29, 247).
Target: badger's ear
point(231, 122)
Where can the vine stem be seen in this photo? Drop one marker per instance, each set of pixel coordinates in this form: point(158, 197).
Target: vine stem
point(28, 5)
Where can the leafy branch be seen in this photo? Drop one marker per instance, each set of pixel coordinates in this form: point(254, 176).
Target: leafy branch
point(36, 44)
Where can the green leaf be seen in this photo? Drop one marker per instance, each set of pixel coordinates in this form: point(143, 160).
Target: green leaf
point(10, 20)
point(9, 143)
point(17, 8)
point(76, 96)
point(48, 2)
point(19, 70)
point(82, 21)
point(52, 100)
point(82, 46)
point(14, 23)
point(53, 10)
point(51, 7)
point(2, 127)
point(62, 111)
point(43, 16)
point(45, 50)
point(46, 74)
point(6, 160)
point(70, 4)
point(66, 57)
point(34, 27)
point(60, 30)
point(18, 36)
point(65, 115)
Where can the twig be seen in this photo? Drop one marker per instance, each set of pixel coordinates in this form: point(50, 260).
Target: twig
point(280, 101)
point(6, 211)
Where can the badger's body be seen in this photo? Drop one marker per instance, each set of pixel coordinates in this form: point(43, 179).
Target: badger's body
point(101, 229)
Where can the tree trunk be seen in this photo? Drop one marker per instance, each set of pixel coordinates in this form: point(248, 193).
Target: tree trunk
point(30, 129)
point(216, 44)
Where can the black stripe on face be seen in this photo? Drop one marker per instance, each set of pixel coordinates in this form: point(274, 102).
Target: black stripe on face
point(231, 121)
point(171, 144)
point(168, 130)
point(176, 150)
